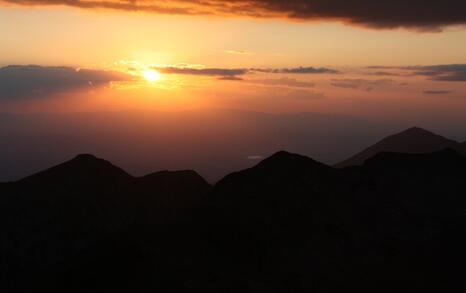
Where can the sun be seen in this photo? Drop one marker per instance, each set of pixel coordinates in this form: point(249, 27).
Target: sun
point(151, 75)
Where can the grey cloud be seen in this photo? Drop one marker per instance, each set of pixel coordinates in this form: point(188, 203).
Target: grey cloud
point(297, 70)
point(234, 74)
point(285, 81)
point(385, 73)
point(223, 73)
point(451, 72)
point(363, 84)
point(437, 92)
point(32, 81)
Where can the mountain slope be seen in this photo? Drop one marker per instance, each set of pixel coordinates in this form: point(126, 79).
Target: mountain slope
point(412, 140)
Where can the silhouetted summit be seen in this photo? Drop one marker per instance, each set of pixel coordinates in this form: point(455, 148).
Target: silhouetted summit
point(412, 140)
point(283, 159)
point(262, 182)
point(83, 169)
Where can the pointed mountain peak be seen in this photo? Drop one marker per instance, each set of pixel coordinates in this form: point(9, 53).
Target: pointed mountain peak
point(86, 157)
point(284, 162)
point(283, 157)
point(416, 131)
point(281, 168)
point(414, 140)
point(83, 167)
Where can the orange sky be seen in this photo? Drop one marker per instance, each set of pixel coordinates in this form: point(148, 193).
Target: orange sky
point(202, 50)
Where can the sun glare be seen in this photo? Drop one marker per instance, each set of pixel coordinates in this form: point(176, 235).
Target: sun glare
point(151, 75)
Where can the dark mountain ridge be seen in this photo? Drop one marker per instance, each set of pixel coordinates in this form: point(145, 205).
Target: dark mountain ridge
point(289, 223)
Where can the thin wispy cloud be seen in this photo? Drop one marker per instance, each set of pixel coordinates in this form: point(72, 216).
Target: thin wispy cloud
point(285, 81)
point(298, 70)
point(363, 84)
point(385, 73)
point(437, 92)
point(239, 52)
point(236, 73)
point(440, 72)
point(450, 72)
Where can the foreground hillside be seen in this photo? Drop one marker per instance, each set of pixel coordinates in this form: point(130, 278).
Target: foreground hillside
point(289, 224)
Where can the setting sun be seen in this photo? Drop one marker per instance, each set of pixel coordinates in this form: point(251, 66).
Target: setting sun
point(151, 75)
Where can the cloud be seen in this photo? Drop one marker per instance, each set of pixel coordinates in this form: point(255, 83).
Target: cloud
point(235, 74)
point(234, 78)
point(238, 52)
point(429, 15)
point(451, 72)
point(223, 73)
point(385, 73)
point(32, 81)
point(255, 157)
point(437, 92)
point(285, 81)
point(363, 84)
point(442, 72)
point(297, 70)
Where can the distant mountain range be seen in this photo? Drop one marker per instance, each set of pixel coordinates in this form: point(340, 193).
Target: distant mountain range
point(141, 141)
point(413, 140)
point(394, 222)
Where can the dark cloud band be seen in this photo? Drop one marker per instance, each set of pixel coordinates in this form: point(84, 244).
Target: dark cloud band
point(363, 84)
point(418, 14)
point(452, 72)
point(234, 74)
point(34, 81)
point(443, 72)
point(222, 72)
point(437, 92)
point(298, 70)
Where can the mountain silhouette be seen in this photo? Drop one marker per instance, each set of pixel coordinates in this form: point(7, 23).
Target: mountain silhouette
point(83, 169)
point(49, 217)
point(288, 224)
point(412, 140)
point(309, 227)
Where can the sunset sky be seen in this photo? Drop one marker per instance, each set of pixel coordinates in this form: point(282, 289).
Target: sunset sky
point(358, 58)
point(215, 85)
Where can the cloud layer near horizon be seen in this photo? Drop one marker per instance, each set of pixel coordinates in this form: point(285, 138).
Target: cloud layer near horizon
point(32, 81)
point(451, 72)
point(417, 14)
point(235, 74)
point(440, 72)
